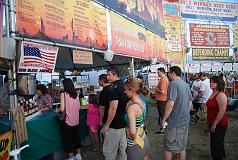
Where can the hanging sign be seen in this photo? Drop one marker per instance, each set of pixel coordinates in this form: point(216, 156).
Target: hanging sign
point(216, 67)
point(210, 54)
point(235, 67)
point(153, 79)
point(82, 57)
point(5, 145)
point(206, 67)
point(194, 68)
point(37, 58)
point(186, 68)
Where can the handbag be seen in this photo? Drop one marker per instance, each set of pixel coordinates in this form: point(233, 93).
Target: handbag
point(62, 115)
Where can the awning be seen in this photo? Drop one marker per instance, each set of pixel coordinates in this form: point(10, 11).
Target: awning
point(65, 61)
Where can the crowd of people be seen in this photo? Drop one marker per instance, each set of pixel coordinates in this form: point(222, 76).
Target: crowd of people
point(119, 114)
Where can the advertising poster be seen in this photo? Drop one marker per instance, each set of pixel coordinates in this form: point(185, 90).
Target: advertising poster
point(172, 21)
point(37, 58)
point(5, 141)
point(236, 54)
point(127, 37)
point(209, 35)
point(210, 54)
point(236, 35)
point(175, 57)
point(130, 39)
point(1, 25)
point(195, 9)
point(156, 46)
point(1, 18)
point(69, 22)
point(146, 12)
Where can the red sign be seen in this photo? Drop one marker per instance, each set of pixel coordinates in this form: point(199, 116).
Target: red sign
point(209, 35)
point(236, 55)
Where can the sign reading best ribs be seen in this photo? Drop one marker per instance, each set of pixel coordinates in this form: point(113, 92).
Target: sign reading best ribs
point(209, 35)
point(210, 54)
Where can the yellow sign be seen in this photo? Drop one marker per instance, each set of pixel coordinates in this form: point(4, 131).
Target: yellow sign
point(5, 145)
point(82, 57)
point(210, 54)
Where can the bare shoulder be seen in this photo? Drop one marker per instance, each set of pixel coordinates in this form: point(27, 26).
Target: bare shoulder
point(221, 97)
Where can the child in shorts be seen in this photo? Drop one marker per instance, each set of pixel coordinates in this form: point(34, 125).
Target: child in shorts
point(93, 121)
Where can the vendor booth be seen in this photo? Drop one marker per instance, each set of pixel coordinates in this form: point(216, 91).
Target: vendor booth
point(47, 45)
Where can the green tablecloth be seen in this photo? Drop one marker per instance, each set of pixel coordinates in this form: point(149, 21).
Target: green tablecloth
point(5, 124)
point(44, 135)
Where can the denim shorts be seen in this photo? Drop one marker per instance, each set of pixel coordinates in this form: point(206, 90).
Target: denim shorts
point(175, 139)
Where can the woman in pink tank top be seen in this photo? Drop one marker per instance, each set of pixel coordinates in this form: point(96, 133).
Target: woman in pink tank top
point(69, 101)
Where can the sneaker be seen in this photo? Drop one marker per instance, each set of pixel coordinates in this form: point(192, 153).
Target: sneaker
point(77, 157)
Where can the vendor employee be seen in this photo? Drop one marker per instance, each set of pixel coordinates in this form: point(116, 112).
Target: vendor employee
point(42, 99)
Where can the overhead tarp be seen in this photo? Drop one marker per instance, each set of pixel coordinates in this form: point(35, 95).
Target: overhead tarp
point(65, 61)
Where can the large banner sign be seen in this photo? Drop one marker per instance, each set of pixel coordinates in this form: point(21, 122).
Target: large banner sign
point(37, 58)
point(130, 39)
point(195, 9)
point(5, 145)
point(210, 54)
point(76, 22)
point(146, 12)
point(1, 25)
point(1, 17)
point(172, 20)
point(209, 35)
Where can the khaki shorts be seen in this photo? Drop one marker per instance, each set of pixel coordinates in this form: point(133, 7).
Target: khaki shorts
point(175, 139)
point(135, 152)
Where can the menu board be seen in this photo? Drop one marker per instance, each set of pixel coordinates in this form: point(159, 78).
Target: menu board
point(77, 22)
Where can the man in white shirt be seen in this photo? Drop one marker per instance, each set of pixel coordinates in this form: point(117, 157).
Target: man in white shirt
point(204, 91)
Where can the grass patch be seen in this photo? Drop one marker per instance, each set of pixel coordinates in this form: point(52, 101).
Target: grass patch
point(198, 144)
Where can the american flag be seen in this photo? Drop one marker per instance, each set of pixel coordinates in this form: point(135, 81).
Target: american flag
point(34, 55)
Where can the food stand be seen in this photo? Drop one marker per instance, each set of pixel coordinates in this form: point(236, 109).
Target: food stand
point(43, 130)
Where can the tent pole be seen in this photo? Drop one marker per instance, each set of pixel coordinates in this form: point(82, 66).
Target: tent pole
point(132, 66)
point(12, 18)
